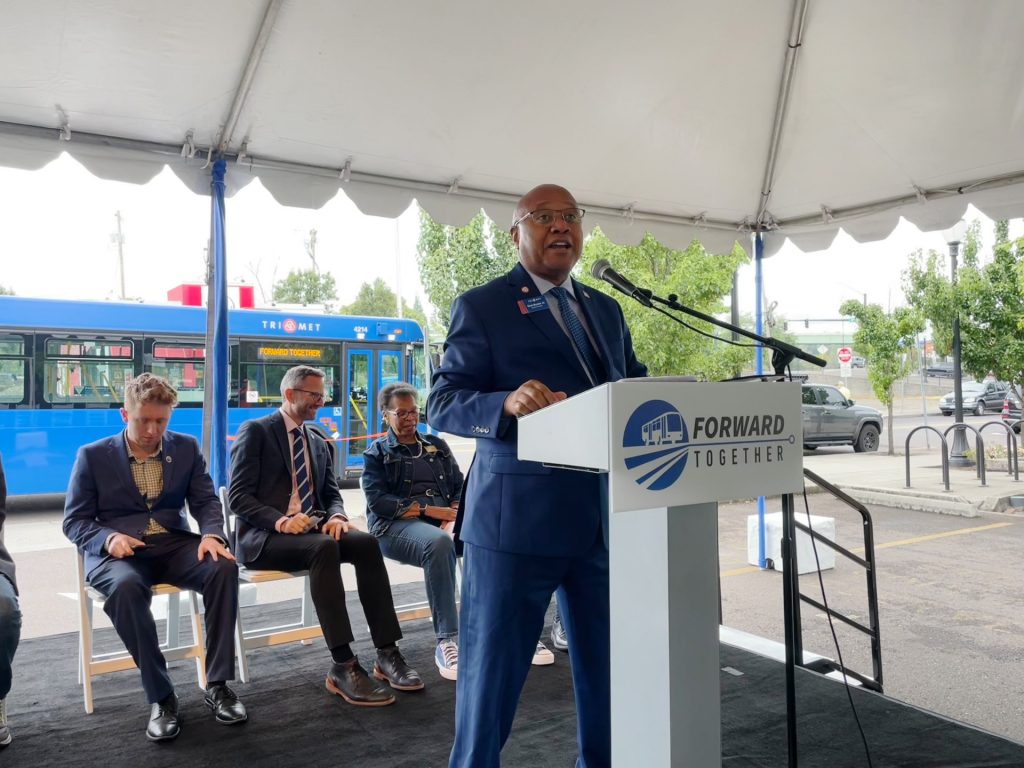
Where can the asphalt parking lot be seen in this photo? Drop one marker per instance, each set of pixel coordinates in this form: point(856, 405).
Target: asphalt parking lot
point(949, 592)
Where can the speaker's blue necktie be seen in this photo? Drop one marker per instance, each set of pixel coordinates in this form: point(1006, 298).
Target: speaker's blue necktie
point(579, 336)
point(302, 483)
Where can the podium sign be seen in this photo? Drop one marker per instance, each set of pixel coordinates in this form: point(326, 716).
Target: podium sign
point(672, 449)
point(669, 443)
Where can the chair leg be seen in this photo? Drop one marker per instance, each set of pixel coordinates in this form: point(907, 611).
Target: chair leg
point(200, 640)
point(174, 620)
point(240, 655)
point(85, 645)
point(309, 618)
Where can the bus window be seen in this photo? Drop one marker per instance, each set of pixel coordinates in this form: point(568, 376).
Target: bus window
point(13, 370)
point(418, 373)
point(182, 364)
point(263, 365)
point(390, 363)
point(362, 416)
point(87, 371)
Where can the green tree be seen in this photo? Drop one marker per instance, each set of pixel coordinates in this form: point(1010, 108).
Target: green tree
point(374, 299)
point(417, 313)
point(454, 259)
point(928, 287)
point(887, 342)
point(378, 300)
point(306, 286)
point(700, 279)
point(990, 300)
point(1002, 231)
point(5, 291)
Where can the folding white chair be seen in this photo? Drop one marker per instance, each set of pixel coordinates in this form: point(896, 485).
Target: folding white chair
point(92, 664)
point(304, 631)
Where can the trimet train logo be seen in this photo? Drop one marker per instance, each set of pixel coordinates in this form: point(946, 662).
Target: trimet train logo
point(657, 447)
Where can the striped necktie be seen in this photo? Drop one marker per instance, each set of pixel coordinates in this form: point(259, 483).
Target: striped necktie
point(579, 336)
point(301, 468)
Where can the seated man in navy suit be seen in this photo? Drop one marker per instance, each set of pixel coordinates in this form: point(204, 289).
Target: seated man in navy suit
point(125, 513)
point(290, 517)
point(515, 345)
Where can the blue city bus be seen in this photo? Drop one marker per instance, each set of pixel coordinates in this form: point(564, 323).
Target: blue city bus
point(64, 364)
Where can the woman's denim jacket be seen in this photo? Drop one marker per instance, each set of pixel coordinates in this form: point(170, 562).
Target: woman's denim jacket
point(387, 478)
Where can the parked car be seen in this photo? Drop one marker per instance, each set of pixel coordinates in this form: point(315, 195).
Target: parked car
point(939, 371)
point(978, 397)
point(1011, 411)
point(829, 418)
point(858, 361)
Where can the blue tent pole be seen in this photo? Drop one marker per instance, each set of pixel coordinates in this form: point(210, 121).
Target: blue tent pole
point(759, 370)
point(218, 298)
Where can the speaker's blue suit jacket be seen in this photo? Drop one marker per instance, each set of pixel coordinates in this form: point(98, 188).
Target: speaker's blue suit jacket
point(103, 499)
point(528, 529)
point(493, 347)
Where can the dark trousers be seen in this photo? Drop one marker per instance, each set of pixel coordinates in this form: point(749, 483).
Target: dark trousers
point(322, 556)
point(169, 558)
point(10, 632)
point(504, 599)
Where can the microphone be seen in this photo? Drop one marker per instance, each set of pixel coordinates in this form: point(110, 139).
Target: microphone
point(602, 270)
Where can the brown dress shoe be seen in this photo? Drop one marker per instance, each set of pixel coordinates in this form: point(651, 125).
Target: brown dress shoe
point(350, 681)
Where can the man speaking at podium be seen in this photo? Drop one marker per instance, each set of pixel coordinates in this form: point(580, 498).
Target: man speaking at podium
point(515, 345)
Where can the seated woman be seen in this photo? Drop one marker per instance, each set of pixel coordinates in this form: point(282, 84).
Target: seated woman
point(413, 486)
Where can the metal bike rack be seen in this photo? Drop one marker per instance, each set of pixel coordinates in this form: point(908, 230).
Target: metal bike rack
point(979, 448)
point(945, 453)
point(1012, 463)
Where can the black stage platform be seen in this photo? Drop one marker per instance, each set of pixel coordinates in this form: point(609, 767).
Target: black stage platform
point(295, 722)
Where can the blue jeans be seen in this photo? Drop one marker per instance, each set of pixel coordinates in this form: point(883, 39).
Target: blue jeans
point(10, 633)
point(415, 542)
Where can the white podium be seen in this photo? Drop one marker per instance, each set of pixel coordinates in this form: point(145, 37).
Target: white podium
point(672, 450)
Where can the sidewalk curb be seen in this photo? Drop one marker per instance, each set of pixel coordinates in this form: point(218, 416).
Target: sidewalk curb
point(908, 498)
point(927, 501)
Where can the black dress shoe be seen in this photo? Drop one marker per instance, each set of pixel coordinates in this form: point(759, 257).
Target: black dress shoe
point(225, 705)
point(164, 723)
point(350, 681)
point(391, 666)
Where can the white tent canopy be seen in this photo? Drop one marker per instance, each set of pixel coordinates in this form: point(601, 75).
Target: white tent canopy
point(687, 118)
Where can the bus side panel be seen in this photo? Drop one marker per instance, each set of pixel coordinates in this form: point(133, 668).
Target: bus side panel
point(39, 446)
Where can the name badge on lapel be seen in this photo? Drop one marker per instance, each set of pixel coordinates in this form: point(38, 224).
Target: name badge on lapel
point(533, 304)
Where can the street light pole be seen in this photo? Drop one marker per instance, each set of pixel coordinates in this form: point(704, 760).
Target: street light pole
point(958, 451)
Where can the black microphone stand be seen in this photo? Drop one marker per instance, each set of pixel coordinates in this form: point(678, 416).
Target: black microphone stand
point(782, 355)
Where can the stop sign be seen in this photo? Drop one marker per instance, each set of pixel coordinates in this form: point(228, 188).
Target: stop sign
point(845, 354)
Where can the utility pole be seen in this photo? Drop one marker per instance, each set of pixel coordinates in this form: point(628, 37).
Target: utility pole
point(311, 250)
point(118, 237)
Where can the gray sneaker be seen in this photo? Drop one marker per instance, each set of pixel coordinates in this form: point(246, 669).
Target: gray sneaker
point(558, 639)
point(5, 732)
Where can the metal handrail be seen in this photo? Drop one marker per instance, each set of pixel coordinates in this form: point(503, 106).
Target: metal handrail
point(1012, 463)
point(867, 562)
point(979, 447)
point(945, 453)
